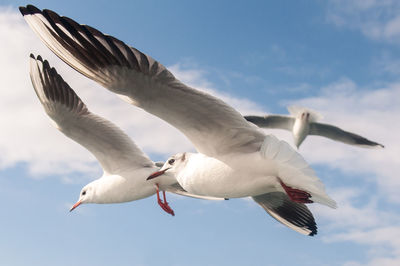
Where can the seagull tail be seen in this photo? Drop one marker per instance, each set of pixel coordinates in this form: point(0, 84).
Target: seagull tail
point(294, 170)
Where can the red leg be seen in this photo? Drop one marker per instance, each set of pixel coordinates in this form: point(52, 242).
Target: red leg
point(296, 195)
point(164, 205)
point(164, 198)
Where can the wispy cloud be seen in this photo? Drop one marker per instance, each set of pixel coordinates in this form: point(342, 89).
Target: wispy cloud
point(365, 211)
point(196, 78)
point(365, 215)
point(366, 224)
point(377, 19)
point(370, 113)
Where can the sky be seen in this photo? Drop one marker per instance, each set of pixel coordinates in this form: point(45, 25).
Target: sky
point(340, 58)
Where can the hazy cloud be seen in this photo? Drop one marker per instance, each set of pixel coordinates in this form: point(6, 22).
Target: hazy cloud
point(377, 19)
point(366, 213)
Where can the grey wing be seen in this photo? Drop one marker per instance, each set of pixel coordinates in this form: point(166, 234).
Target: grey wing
point(159, 164)
point(338, 134)
point(114, 150)
point(294, 215)
point(211, 125)
point(272, 121)
point(177, 189)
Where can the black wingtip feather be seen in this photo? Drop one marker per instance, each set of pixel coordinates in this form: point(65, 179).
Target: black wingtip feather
point(56, 89)
point(297, 214)
point(46, 65)
point(23, 10)
point(29, 10)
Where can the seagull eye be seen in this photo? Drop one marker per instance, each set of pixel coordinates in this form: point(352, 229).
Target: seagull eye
point(171, 161)
point(84, 193)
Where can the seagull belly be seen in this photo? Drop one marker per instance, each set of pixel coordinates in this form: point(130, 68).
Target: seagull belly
point(210, 177)
point(300, 131)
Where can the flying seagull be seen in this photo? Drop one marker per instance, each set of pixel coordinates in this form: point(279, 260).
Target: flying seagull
point(125, 165)
point(303, 122)
point(235, 158)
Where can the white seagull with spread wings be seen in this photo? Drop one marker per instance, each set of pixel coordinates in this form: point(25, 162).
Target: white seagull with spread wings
point(303, 122)
point(125, 166)
point(235, 158)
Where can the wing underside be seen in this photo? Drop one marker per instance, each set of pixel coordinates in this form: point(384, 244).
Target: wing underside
point(338, 134)
point(272, 121)
point(110, 145)
point(291, 214)
point(212, 126)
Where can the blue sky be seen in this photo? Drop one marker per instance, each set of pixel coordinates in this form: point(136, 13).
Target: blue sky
point(340, 58)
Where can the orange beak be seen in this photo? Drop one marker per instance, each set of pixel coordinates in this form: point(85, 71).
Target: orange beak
point(75, 205)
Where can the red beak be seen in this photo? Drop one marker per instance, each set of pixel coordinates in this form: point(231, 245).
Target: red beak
point(75, 205)
point(155, 174)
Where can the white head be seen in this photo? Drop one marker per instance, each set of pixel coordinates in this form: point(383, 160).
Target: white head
point(171, 168)
point(304, 114)
point(87, 195)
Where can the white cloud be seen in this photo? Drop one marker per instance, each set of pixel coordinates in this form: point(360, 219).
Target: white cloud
point(195, 79)
point(27, 136)
point(369, 113)
point(366, 213)
point(362, 214)
point(377, 19)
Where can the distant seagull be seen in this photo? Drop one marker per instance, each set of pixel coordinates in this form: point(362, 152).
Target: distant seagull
point(125, 166)
point(235, 158)
point(302, 123)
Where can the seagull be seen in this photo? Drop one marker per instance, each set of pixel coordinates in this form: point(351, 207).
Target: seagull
point(303, 122)
point(235, 158)
point(125, 165)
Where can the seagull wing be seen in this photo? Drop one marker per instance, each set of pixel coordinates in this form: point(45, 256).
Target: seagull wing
point(338, 134)
point(272, 121)
point(214, 127)
point(113, 148)
point(178, 189)
point(294, 215)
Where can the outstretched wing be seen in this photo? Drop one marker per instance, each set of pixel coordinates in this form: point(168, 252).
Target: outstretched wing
point(114, 150)
point(272, 121)
point(294, 215)
point(212, 126)
point(338, 134)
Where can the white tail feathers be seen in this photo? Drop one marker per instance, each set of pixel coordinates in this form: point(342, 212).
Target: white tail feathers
point(294, 170)
point(296, 111)
point(326, 200)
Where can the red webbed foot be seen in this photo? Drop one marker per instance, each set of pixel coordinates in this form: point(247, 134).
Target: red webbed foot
point(296, 195)
point(164, 204)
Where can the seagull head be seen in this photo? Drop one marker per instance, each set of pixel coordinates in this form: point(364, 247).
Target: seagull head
point(305, 116)
point(171, 167)
point(86, 196)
